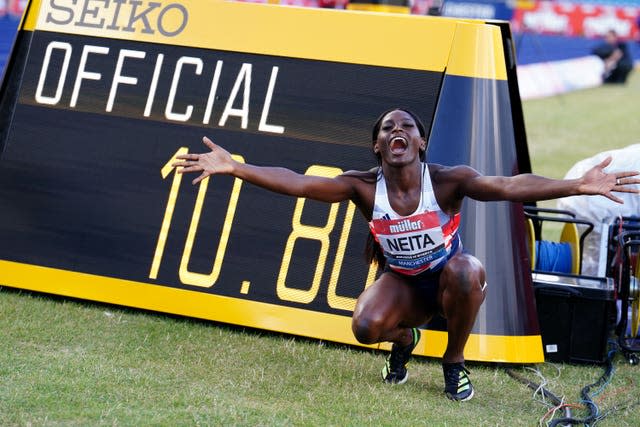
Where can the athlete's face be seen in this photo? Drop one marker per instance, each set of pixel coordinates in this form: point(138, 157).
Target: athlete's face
point(399, 141)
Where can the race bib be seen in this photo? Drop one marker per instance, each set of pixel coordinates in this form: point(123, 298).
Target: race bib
point(410, 244)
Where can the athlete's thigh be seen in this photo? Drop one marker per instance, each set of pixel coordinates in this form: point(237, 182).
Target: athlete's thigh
point(461, 273)
point(393, 299)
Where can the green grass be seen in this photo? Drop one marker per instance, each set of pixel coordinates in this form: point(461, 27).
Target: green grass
point(568, 128)
point(565, 129)
point(68, 362)
point(65, 362)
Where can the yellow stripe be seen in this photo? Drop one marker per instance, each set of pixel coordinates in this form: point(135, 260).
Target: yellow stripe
point(389, 8)
point(176, 301)
point(514, 349)
point(477, 52)
point(29, 20)
point(487, 348)
point(378, 39)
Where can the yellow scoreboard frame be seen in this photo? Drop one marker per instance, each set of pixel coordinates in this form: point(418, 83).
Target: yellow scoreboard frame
point(99, 97)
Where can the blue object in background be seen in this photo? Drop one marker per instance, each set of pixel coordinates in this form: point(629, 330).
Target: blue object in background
point(8, 27)
point(479, 9)
point(534, 48)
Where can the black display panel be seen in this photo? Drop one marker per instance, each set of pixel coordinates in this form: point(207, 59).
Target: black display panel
point(91, 196)
point(99, 98)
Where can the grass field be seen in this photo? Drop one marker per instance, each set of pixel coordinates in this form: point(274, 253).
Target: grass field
point(65, 362)
point(567, 128)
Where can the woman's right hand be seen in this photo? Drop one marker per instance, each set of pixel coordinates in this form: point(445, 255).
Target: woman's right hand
point(216, 162)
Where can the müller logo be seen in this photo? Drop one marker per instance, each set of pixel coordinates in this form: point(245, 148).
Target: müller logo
point(133, 16)
point(406, 225)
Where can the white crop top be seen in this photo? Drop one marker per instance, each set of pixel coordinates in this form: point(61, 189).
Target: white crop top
point(416, 243)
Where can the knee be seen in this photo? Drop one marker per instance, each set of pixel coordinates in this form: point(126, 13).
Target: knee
point(367, 329)
point(464, 275)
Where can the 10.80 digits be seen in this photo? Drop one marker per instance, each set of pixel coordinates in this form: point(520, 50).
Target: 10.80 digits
point(298, 231)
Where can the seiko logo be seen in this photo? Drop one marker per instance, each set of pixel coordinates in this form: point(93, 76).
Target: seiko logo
point(141, 16)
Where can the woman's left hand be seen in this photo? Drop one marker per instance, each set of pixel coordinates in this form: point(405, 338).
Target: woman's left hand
point(597, 181)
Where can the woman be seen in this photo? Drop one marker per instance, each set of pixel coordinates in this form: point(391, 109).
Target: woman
point(413, 209)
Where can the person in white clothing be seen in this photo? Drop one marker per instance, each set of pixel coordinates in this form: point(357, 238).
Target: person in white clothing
point(413, 211)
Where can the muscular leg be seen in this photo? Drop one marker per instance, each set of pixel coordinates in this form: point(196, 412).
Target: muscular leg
point(460, 296)
point(386, 311)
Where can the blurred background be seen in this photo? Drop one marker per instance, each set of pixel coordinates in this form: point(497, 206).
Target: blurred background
point(555, 41)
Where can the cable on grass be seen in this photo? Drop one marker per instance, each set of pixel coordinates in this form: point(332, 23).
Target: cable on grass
point(555, 409)
point(615, 392)
point(543, 382)
point(617, 408)
point(610, 357)
point(538, 388)
point(594, 414)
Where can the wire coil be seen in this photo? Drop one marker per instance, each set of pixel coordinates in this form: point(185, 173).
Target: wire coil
point(553, 256)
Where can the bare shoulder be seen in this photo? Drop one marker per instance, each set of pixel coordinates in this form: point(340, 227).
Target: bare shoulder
point(449, 184)
point(369, 176)
point(442, 174)
point(364, 186)
point(363, 182)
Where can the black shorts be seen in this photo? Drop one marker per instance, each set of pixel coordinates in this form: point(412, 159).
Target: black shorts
point(426, 284)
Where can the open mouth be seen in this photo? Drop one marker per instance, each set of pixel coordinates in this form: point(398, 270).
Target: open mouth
point(398, 145)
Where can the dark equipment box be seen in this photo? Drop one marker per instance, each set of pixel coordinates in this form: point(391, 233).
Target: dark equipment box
point(576, 315)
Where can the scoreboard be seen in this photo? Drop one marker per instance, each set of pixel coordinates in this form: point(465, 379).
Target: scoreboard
point(100, 96)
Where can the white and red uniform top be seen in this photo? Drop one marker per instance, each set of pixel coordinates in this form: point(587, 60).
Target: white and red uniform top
point(416, 243)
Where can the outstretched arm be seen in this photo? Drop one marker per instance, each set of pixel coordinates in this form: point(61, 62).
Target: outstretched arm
point(280, 180)
point(529, 187)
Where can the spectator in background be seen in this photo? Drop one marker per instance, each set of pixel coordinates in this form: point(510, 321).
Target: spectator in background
point(617, 59)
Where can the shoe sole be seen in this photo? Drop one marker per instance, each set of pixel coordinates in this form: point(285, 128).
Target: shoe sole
point(451, 397)
point(402, 381)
